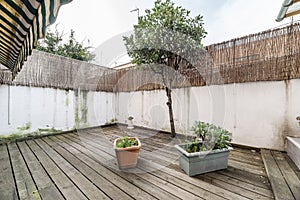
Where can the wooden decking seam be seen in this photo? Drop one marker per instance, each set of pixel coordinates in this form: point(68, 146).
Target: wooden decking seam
point(14, 177)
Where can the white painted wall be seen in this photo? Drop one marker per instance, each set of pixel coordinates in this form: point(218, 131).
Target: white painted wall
point(259, 114)
point(47, 107)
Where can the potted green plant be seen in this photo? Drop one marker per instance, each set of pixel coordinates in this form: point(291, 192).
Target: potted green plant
point(130, 123)
point(207, 152)
point(127, 151)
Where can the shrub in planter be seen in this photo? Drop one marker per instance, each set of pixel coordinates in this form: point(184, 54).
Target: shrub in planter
point(208, 151)
point(127, 151)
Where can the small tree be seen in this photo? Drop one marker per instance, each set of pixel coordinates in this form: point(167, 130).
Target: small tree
point(53, 43)
point(166, 35)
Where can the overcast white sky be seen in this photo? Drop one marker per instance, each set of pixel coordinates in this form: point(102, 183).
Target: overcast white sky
point(100, 20)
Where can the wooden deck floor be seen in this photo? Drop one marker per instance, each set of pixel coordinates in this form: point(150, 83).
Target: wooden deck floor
point(283, 175)
point(83, 166)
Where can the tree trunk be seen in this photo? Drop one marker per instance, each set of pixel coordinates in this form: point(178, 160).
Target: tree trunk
point(169, 104)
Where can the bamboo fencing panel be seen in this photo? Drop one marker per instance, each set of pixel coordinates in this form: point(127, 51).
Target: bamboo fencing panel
point(272, 55)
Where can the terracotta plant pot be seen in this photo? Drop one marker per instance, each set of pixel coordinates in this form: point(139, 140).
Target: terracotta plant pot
point(127, 157)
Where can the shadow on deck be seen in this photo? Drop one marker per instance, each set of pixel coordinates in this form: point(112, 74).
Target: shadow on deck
point(83, 166)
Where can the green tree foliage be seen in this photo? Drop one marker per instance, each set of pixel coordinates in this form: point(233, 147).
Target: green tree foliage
point(166, 35)
point(53, 43)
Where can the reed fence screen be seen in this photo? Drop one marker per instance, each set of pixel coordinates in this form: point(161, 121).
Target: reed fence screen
point(272, 55)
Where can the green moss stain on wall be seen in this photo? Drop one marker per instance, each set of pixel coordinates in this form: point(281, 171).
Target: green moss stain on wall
point(67, 108)
point(76, 99)
point(81, 109)
point(67, 99)
point(84, 108)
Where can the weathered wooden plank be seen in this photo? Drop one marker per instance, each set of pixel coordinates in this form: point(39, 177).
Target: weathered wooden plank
point(150, 167)
point(84, 184)
point(103, 157)
point(246, 167)
point(288, 173)
point(104, 184)
point(65, 185)
point(253, 189)
point(224, 192)
point(167, 149)
point(168, 186)
point(91, 153)
point(245, 158)
point(238, 190)
point(194, 189)
point(255, 192)
point(259, 164)
point(166, 158)
point(103, 146)
point(279, 186)
point(7, 183)
point(247, 177)
point(156, 180)
point(98, 141)
point(84, 155)
point(26, 186)
point(46, 187)
point(95, 139)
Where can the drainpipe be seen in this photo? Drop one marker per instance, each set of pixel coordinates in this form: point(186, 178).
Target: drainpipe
point(8, 105)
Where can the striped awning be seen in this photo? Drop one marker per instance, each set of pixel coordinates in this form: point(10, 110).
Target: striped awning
point(22, 23)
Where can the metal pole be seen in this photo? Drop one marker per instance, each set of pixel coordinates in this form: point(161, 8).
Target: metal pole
point(138, 11)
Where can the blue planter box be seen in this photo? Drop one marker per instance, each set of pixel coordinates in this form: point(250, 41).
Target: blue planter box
point(202, 162)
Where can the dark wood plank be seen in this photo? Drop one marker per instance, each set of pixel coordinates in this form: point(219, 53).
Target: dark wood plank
point(164, 180)
point(25, 184)
point(65, 185)
point(224, 192)
point(169, 186)
point(246, 167)
point(288, 173)
point(46, 187)
point(150, 167)
point(279, 186)
point(90, 155)
point(104, 184)
point(165, 159)
point(247, 177)
point(247, 154)
point(83, 183)
point(102, 157)
point(246, 158)
point(7, 183)
point(85, 156)
point(157, 159)
point(194, 189)
point(256, 192)
point(249, 187)
point(238, 190)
